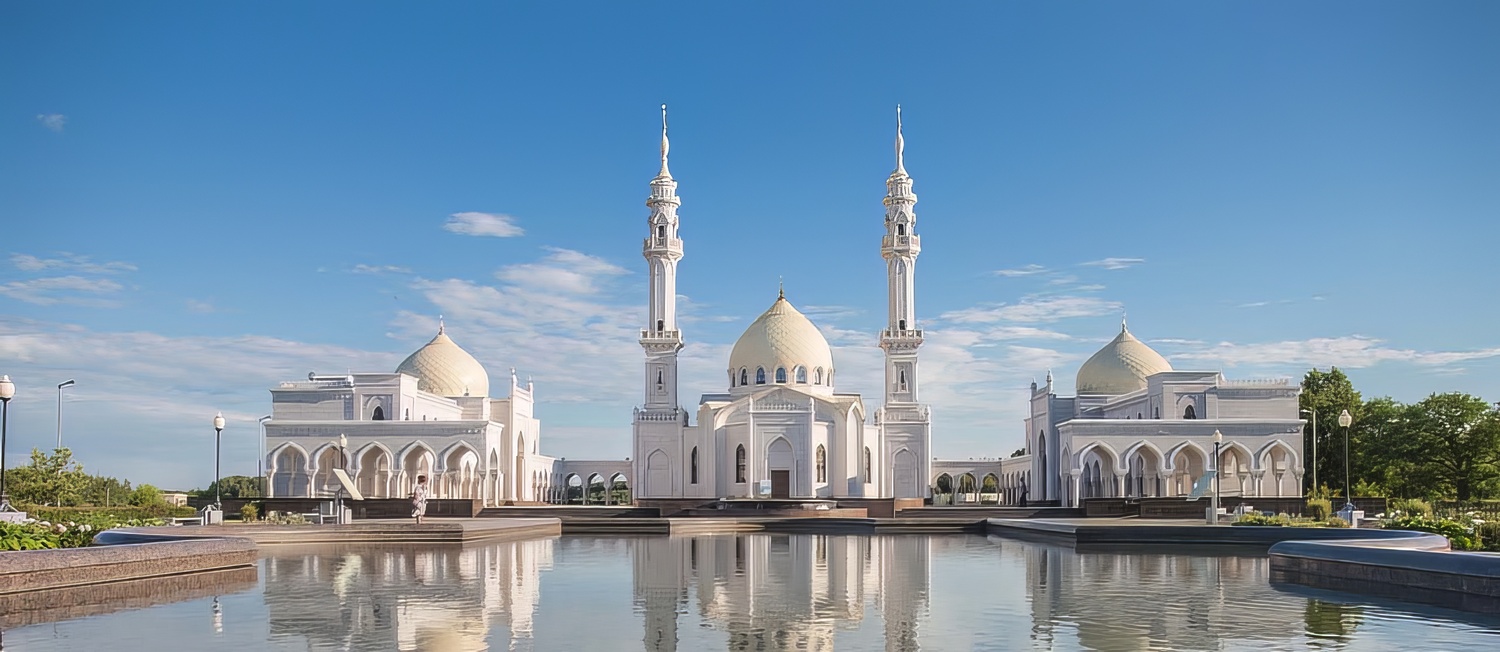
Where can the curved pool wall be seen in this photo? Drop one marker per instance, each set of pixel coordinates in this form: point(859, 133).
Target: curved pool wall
point(39, 570)
point(1413, 566)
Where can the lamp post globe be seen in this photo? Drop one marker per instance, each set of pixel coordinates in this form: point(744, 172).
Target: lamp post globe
point(1344, 420)
point(7, 392)
point(218, 436)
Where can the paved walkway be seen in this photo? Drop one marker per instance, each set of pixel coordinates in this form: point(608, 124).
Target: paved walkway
point(433, 530)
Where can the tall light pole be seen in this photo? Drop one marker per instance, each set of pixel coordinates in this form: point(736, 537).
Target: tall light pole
point(7, 391)
point(1344, 421)
point(60, 387)
point(260, 471)
point(218, 436)
point(1314, 413)
point(1218, 439)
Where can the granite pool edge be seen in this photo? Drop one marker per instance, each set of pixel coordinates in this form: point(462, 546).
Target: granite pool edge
point(1416, 566)
point(129, 554)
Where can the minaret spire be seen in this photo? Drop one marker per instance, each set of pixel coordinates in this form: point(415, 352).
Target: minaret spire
point(666, 146)
point(900, 144)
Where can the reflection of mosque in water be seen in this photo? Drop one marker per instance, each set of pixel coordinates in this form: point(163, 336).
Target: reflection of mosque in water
point(441, 598)
point(788, 591)
point(781, 591)
point(1119, 599)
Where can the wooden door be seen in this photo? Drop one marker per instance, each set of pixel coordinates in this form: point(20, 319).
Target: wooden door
point(781, 484)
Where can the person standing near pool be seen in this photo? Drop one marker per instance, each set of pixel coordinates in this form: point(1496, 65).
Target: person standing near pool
point(419, 499)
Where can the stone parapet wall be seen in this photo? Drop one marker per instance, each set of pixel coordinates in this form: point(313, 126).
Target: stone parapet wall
point(36, 570)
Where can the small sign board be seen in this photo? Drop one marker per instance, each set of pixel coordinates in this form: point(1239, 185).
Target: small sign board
point(764, 488)
point(348, 484)
point(1204, 483)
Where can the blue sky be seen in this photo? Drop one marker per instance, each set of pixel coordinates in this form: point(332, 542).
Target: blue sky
point(199, 201)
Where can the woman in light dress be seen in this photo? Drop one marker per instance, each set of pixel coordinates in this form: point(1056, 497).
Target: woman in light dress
point(419, 499)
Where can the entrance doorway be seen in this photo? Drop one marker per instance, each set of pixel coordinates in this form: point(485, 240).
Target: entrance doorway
point(781, 484)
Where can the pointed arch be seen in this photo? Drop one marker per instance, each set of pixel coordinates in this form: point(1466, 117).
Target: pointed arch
point(818, 376)
point(869, 464)
point(760, 375)
point(693, 468)
point(799, 374)
point(1295, 461)
point(781, 375)
point(1143, 446)
point(739, 464)
point(821, 460)
point(1177, 450)
point(744, 376)
point(279, 450)
point(1108, 452)
point(658, 474)
point(904, 483)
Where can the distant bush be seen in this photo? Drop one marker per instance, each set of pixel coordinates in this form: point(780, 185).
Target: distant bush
point(1463, 533)
point(248, 512)
point(1410, 506)
point(98, 515)
point(1318, 509)
point(1334, 521)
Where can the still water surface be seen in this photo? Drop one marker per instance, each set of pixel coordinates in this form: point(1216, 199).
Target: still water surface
point(749, 592)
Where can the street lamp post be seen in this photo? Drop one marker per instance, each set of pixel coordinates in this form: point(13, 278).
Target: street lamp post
point(1344, 421)
point(1214, 518)
point(60, 387)
point(7, 391)
point(338, 517)
point(1314, 413)
point(218, 437)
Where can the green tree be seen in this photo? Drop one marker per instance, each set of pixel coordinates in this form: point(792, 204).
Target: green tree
point(1328, 393)
point(1455, 441)
point(234, 486)
point(49, 479)
point(1387, 456)
point(145, 496)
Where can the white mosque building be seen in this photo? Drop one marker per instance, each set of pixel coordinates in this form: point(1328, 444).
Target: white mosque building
point(781, 429)
point(1135, 428)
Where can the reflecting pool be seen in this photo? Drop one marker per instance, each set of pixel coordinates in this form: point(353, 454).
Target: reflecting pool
point(750, 592)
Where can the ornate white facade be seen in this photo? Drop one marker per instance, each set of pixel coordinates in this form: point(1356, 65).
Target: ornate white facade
point(1137, 428)
point(781, 430)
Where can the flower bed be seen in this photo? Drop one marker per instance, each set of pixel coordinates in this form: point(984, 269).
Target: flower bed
point(38, 534)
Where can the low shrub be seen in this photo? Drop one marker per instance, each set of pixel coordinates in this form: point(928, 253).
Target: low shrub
point(1334, 521)
point(1279, 520)
point(1415, 506)
point(1318, 509)
point(248, 512)
point(1461, 533)
point(100, 515)
point(1489, 536)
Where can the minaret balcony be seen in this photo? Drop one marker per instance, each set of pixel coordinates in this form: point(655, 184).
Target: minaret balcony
point(661, 341)
point(896, 338)
point(912, 243)
point(662, 244)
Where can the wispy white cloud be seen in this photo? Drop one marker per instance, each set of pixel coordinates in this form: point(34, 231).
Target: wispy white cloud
point(380, 269)
point(496, 225)
point(1027, 270)
point(830, 313)
point(1115, 263)
point(53, 121)
point(1035, 309)
point(1352, 351)
point(69, 290)
point(68, 262)
point(194, 305)
point(563, 270)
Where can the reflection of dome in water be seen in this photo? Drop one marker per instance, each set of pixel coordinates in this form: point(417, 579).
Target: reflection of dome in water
point(783, 338)
point(443, 368)
point(1121, 367)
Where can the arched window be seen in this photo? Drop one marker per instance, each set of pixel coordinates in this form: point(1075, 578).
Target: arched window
point(661, 324)
point(661, 230)
point(659, 377)
point(867, 465)
point(378, 414)
point(731, 379)
point(1189, 413)
point(818, 376)
point(901, 380)
point(781, 374)
point(760, 375)
point(900, 229)
point(901, 325)
point(822, 464)
point(739, 464)
point(800, 374)
point(744, 376)
point(693, 470)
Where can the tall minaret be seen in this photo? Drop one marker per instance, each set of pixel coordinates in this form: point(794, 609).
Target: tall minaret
point(900, 247)
point(662, 250)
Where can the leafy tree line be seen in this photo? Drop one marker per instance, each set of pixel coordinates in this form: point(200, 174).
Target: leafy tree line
point(1444, 446)
point(58, 479)
point(233, 486)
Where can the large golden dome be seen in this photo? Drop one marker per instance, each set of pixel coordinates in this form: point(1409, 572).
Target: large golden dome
point(444, 368)
point(783, 338)
point(1121, 367)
